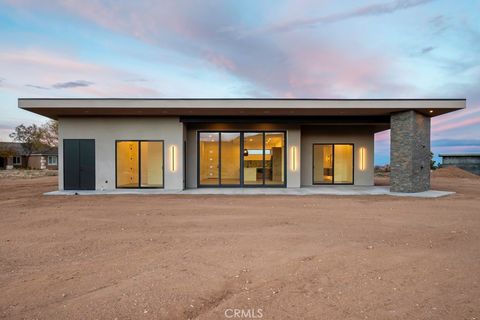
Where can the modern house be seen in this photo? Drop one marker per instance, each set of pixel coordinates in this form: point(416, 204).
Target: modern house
point(14, 155)
point(107, 144)
point(467, 161)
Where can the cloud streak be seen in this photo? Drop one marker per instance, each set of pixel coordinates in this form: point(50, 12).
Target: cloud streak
point(34, 86)
point(456, 143)
point(369, 10)
point(72, 84)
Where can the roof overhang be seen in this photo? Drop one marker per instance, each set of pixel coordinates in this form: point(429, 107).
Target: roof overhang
point(57, 108)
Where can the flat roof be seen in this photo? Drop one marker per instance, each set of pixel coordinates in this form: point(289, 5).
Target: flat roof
point(460, 155)
point(59, 107)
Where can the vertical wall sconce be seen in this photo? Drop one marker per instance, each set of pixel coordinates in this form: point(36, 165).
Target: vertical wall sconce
point(294, 158)
point(363, 158)
point(172, 158)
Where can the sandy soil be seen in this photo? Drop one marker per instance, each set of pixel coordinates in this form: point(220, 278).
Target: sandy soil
point(180, 257)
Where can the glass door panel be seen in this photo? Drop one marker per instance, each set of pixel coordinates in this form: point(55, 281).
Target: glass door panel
point(274, 158)
point(151, 160)
point(253, 158)
point(127, 164)
point(322, 163)
point(230, 158)
point(343, 163)
point(209, 158)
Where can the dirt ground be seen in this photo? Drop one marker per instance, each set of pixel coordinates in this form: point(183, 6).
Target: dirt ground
point(270, 257)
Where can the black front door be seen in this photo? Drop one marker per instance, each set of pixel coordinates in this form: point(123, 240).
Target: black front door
point(79, 164)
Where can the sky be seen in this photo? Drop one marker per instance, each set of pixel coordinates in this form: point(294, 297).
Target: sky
point(249, 48)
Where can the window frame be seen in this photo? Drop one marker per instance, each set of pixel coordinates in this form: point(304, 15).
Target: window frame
point(15, 163)
point(333, 164)
point(140, 163)
point(242, 183)
point(52, 163)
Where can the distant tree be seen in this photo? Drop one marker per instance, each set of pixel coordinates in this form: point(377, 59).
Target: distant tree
point(50, 133)
point(31, 138)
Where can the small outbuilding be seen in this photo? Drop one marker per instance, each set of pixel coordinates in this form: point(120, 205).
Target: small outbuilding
point(468, 162)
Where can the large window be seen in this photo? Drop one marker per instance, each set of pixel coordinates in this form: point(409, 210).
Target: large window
point(139, 164)
point(241, 158)
point(333, 164)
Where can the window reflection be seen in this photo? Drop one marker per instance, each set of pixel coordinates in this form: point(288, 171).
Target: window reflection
point(133, 155)
point(209, 158)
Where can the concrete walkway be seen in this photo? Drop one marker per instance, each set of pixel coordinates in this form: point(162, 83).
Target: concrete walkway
point(304, 191)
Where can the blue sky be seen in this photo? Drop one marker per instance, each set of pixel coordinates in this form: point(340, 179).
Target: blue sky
point(303, 48)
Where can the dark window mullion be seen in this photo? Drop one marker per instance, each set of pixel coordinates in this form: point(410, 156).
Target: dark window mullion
point(242, 159)
point(333, 164)
point(139, 159)
point(264, 169)
point(219, 158)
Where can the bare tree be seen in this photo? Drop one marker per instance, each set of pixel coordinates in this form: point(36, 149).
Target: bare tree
point(31, 138)
point(50, 133)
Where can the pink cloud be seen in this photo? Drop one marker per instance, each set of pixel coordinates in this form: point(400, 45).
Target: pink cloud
point(43, 73)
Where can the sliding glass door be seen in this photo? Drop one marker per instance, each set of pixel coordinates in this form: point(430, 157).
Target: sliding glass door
point(209, 158)
point(241, 158)
point(333, 164)
point(274, 158)
point(139, 164)
point(253, 161)
point(230, 158)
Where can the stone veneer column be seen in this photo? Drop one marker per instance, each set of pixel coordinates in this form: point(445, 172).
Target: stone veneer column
point(409, 152)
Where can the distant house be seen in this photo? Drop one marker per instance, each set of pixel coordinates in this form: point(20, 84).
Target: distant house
point(14, 155)
point(468, 162)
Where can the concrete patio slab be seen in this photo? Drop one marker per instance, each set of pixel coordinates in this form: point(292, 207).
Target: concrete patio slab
point(305, 191)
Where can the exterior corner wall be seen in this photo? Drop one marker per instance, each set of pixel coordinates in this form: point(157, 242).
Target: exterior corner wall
point(106, 130)
point(358, 135)
point(409, 152)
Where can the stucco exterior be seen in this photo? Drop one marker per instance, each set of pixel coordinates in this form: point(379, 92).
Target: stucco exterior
point(347, 125)
point(106, 131)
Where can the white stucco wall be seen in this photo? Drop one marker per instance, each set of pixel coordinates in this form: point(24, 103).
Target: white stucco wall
point(294, 166)
point(106, 130)
point(360, 136)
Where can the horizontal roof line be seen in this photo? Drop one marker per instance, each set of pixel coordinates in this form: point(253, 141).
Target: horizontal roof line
point(460, 155)
point(253, 99)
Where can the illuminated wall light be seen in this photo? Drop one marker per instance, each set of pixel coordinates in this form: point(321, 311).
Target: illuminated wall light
point(173, 158)
point(363, 159)
point(294, 158)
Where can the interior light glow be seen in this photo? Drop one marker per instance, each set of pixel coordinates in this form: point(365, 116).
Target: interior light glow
point(294, 158)
point(172, 158)
point(363, 156)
